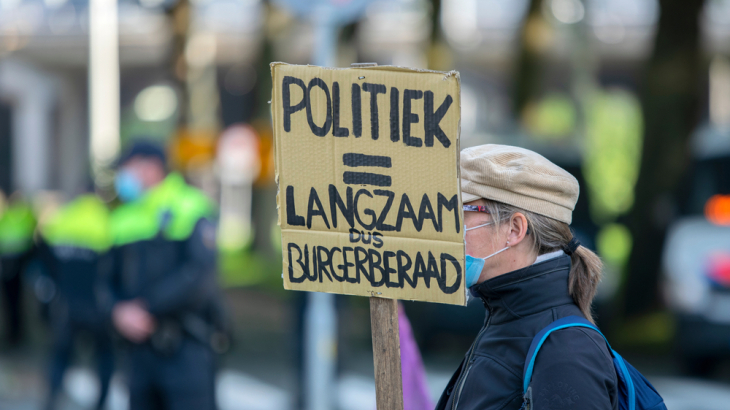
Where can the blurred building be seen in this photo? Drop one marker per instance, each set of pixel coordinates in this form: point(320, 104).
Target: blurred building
point(562, 77)
point(44, 55)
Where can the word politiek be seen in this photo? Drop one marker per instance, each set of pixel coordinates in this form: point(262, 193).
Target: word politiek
point(317, 88)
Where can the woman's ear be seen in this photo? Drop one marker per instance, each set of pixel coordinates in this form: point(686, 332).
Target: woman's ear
point(517, 229)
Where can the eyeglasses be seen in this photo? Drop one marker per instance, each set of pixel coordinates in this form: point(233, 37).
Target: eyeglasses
point(475, 208)
point(483, 209)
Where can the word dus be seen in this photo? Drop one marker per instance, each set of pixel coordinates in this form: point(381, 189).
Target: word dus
point(356, 264)
point(431, 117)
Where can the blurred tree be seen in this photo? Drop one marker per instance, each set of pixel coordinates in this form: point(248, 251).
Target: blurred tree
point(179, 15)
point(670, 103)
point(440, 54)
point(5, 148)
point(527, 72)
point(612, 152)
point(264, 85)
point(435, 16)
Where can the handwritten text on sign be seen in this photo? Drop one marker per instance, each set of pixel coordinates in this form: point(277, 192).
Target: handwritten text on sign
point(367, 170)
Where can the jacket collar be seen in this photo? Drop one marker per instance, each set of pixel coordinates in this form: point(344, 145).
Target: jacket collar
point(526, 291)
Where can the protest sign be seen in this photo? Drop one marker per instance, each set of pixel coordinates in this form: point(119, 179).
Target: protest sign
point(367, 168)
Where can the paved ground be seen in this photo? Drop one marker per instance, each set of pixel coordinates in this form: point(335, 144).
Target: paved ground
point(258, 374)
point(21, 388)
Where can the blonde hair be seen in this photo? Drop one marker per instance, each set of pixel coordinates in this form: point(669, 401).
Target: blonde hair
point(549, 235)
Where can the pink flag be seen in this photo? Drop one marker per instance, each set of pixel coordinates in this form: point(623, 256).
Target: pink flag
point(415, 391)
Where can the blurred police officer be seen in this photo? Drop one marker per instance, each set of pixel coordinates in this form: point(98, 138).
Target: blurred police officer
point(17, 225)
point(164, 284)
point(73, 248)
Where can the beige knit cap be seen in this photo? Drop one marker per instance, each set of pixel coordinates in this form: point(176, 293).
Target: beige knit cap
point(520, 178)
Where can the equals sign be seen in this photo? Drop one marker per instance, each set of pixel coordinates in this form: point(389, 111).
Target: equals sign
point(366, 178)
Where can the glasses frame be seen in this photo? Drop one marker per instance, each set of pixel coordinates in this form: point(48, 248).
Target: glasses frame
point(483, 209)
point(475, 208)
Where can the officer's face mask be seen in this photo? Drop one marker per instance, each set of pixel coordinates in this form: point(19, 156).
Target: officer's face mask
point(475, 265)
point(128, 186)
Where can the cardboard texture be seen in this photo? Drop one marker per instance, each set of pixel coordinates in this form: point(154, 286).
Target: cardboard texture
point(367, 167)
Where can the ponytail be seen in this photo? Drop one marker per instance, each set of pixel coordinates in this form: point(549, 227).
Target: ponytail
point(585, 274)
point(549, 235)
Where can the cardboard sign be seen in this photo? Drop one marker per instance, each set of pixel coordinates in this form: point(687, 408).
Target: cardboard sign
point(367, 167)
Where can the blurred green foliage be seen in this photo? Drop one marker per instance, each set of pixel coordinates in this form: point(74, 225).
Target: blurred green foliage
point(552, 118)
point(614, 243)
point(248, 268)
point(614, 129)
point(132, 127)
point(651, 330)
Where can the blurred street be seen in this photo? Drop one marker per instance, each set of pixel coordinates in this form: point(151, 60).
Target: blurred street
point(356, 392)
point(251, 377)
point(140, 240)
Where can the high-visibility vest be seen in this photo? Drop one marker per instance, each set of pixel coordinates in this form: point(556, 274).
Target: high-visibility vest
point(17, 225)
point(83, 223)
point(171, 209)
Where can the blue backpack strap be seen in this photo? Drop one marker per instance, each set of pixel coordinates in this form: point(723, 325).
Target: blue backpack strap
point(573, 321)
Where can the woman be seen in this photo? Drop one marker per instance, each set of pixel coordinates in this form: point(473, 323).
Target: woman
point(525, 265)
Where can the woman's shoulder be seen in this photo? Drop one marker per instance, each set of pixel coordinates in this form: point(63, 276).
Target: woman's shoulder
point(576, 342)
point(577, 350)
point(575, 365)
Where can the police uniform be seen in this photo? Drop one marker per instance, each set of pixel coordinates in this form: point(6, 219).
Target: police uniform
point(74, 249)
point(165, 256)
point(17, 225)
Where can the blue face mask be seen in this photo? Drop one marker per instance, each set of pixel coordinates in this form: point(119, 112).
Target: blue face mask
point(128, 186)
point(474, 267)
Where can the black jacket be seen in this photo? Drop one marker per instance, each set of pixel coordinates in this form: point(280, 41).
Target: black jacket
point(177, 281)
point(78, 275)
point(170, 276)
point(573, 369)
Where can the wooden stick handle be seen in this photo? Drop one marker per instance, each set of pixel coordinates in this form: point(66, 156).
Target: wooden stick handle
point(386, 345)
point(386, 353)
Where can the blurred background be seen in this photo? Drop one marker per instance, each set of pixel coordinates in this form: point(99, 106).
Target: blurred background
point(630, 96)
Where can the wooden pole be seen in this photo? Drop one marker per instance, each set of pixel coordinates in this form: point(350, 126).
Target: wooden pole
point(386, 344)
point(386, 353)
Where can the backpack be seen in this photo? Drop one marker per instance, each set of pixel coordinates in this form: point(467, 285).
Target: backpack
point(634, 391)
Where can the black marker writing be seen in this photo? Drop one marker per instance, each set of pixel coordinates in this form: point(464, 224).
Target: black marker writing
point(317, 90)
point(392, 269)
point(369, 212)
